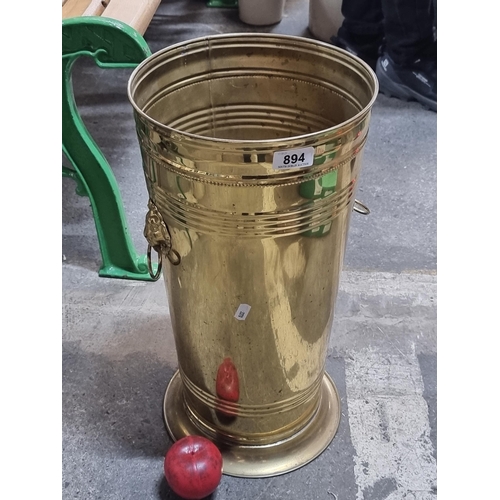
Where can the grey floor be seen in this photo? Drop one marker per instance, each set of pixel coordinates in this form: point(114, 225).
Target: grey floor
point(118, 351)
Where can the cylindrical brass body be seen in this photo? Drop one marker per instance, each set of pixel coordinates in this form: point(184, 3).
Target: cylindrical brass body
point(261, 240)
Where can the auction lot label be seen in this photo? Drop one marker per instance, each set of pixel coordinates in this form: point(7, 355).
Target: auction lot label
point(293, 158)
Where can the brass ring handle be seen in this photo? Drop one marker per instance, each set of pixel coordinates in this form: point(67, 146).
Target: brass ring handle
point(174, 257)
point(158, 237)
point(154, 276)
point(361, 208)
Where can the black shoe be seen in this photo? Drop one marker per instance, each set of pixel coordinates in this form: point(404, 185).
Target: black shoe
point(368, 52)
point(415, 82)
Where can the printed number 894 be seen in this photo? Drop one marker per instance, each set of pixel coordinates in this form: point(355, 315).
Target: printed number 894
point(294, 158)
point(287, 159)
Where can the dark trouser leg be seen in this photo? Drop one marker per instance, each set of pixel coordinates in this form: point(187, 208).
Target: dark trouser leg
point(362, 18)
point(362, 30)
point(408, 67)
point(408, 26)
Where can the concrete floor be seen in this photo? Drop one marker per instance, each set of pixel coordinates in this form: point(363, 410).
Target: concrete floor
point(118, 351)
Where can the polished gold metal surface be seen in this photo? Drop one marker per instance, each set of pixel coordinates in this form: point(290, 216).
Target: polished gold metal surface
point(251, 147)
point(263, 461)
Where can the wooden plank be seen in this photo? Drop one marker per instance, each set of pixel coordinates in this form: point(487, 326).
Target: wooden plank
point(135, 13)
point(96, 8)
point(74, 8)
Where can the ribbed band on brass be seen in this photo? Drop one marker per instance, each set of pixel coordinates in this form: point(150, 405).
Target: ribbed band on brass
point(307, 399)
point(240, 169)
point(280, 120)
point(312, 214)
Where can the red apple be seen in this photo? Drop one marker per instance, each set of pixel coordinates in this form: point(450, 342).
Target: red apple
point(193, 467)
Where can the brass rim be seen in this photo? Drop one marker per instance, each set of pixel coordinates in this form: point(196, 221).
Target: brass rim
point(271, 459)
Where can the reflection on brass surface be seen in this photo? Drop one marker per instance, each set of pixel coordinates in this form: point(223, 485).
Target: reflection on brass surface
point(263, 461)
point(260, 244)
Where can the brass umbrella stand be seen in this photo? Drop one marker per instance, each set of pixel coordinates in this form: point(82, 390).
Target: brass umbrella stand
point(251, 148)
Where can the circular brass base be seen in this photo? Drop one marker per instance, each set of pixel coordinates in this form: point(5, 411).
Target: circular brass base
point(272, 459)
